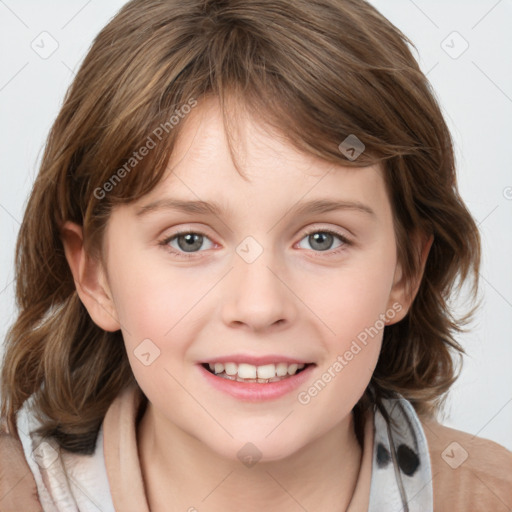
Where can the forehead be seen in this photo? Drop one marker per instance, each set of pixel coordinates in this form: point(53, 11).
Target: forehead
point(270, 166)
point(204, 139)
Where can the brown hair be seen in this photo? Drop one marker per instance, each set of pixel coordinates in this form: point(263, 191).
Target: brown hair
point(316, 71)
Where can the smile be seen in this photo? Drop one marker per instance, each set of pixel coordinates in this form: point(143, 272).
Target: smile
point(256, 383)
point(245, 372)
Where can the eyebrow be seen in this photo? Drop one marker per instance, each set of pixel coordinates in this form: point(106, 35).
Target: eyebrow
point(214, 208)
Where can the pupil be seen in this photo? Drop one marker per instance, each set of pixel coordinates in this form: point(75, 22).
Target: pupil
point(189, 245)
point(320, 236)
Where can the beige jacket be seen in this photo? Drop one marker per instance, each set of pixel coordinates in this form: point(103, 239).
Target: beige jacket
point(468, 473)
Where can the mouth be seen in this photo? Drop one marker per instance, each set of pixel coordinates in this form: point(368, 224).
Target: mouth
point(268, 379)
point(248, 373)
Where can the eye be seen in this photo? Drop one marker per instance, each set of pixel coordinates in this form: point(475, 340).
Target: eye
point(189, 242)
point(321, 240)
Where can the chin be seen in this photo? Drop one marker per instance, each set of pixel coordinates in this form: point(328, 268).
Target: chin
point(255, 445)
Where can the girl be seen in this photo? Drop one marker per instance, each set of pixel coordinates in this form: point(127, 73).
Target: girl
point(233, 274)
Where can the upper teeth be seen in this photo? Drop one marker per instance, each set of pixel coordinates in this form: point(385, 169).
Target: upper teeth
point(249, 371)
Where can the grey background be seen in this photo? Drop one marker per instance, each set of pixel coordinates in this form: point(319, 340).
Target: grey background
point(473, 86)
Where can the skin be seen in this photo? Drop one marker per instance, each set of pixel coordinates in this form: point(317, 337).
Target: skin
point(294, 300)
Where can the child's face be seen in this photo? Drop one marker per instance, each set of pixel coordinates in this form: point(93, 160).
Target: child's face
point(255, 286)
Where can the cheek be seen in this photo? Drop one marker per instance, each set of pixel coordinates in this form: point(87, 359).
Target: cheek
point(152, 309)
point(160, 305)
point(352, 313)
point(352, 297)
point(149, 298)
point(351, 303)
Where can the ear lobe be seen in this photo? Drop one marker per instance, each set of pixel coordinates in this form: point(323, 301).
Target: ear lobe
point(90, 279)
point(403, 292)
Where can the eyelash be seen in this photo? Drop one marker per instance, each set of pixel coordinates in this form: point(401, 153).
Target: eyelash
point(164, 243)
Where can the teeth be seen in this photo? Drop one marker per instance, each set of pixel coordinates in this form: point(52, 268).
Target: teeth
point(292, 369)
point(246, 371)
point(281, 369)
point(267, 371)
point(264, 373)
point(230, 368)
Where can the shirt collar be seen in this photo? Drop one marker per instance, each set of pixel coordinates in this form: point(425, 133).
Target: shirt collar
point(395, 471)
point(401, 472)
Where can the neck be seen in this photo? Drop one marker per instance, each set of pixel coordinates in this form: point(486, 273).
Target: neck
point(181, 473)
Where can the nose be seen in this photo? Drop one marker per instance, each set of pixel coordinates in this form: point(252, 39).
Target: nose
point(257, 295)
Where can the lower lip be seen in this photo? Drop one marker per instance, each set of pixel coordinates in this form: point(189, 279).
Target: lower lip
point(254, 392)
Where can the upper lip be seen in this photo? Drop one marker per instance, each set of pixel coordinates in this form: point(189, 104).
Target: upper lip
point(255, 360)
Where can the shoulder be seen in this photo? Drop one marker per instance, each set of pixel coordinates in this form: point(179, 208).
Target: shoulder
point(18, 490)
point(468, 472)
point(37, 474)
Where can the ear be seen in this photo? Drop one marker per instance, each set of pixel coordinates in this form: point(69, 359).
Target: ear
point(90, 278)
point(403, 291)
